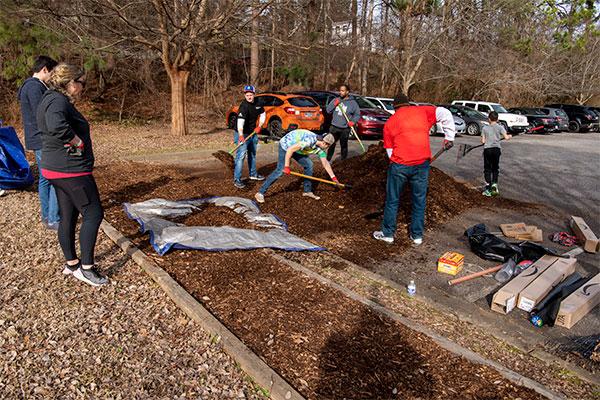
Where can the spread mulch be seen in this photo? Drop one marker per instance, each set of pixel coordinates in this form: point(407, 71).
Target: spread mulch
point(326, 345)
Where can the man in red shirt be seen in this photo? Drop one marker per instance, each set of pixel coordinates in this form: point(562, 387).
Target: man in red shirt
point(406, 141)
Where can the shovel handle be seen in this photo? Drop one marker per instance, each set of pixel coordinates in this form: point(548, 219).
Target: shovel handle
point(241, 143)
point(352, 128)
point(320, 180)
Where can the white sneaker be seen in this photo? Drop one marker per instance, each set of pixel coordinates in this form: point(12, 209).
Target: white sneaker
point(417, 241)
point(311, 195)
point(380, 236)
point(259, 197)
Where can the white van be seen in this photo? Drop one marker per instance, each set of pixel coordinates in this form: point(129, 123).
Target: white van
point(513, 123)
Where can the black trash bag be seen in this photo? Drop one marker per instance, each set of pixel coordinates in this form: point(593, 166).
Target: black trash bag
point(491, 247)
point(547, 309)
point(488, 246)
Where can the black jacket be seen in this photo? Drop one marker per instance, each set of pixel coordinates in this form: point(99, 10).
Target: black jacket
point(30, 95)
point(59, 121)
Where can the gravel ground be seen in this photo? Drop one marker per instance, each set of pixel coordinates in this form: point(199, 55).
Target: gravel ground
point(60, 338)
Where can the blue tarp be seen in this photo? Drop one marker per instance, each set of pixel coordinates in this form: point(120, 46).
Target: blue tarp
point(14, 167)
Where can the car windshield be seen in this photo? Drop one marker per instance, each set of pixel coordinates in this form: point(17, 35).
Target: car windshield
point(364, 103)
point(388, 104)
point(302, 102)
point(498, 108)
point(561, 113)
point(469, 112)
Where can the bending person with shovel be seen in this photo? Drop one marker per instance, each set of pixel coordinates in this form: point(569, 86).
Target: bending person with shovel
point(406, 141)
point(299, 144)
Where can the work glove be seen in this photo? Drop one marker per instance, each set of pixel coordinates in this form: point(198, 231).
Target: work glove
point(335, 179)
point(336, 102)
point(448, 144)
point(350, 124)
point(241, 138)
point(286, 170)
point(257, 130)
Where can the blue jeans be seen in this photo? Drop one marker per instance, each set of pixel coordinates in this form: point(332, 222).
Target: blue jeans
point(47, 195)
point(248, 148)
point(303, 160)
point(397, 176)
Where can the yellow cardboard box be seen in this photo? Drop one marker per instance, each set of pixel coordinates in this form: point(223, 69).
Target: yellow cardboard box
point(451, 263)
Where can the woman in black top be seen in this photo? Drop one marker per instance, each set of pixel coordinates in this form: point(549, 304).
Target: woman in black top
point(67, 163)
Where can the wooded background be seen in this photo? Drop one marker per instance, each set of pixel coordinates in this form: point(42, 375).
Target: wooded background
point(145, 58)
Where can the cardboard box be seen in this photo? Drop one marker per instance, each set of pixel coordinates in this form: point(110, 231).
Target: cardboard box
point(505, 299)
point(451, 263)
point(589, 241)
point(512, 230)
point(534, 234)
point(543, 284)
point(579, 303)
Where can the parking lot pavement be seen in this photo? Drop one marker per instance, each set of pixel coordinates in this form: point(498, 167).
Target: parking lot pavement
point(559, 170)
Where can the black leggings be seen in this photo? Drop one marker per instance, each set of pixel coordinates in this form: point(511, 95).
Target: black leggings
point(76, 196)
point(342, 135)
point(491, 165)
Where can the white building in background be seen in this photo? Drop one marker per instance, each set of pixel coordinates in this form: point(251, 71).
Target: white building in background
point(341, 32)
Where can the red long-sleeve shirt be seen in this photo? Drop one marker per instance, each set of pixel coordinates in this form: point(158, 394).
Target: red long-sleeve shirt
point(407, 134)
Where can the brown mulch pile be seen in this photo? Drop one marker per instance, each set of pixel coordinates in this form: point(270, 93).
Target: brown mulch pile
point(225, 158)
point(325, 344)
point(596, 353)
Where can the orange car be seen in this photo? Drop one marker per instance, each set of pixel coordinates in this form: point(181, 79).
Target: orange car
point(285, 112)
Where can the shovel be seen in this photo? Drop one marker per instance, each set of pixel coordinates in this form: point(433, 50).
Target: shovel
point(227, 157)
point(352, 128)
point(343, 186)
point(378, 213)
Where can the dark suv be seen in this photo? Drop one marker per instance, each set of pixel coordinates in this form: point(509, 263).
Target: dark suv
point(372, 119)
point(538, 119)
point(581, 118)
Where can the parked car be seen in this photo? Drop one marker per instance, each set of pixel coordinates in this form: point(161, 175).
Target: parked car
point(459, 124)
point(474, 120)
point(581, 118)
point(383, 103)
point(537, 119)
point(285, 112)
point(372, 119)
point(597, 111)
point(560, 115)
point(513, 123)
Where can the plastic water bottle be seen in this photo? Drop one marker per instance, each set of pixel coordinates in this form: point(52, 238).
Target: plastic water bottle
point(412, 288)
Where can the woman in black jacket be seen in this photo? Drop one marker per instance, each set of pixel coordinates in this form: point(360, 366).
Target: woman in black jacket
point(67, 163)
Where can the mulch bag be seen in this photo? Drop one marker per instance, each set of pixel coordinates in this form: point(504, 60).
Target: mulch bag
point(490, 247)
point(14, 167)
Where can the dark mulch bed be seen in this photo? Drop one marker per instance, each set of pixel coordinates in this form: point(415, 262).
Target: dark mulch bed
point(325, 344)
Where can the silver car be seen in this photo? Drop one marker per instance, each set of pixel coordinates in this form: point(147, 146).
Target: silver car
point(459, 124)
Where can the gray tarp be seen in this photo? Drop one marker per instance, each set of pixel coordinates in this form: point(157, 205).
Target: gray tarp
point(152, 216)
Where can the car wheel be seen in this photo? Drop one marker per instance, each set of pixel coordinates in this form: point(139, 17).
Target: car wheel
point(276, 128)
point(231, 121)
point(504, 125)
point(473, 129)
point(574, 126)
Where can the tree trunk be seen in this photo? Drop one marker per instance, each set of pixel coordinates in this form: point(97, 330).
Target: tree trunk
point(254, 51)
point(179, 80)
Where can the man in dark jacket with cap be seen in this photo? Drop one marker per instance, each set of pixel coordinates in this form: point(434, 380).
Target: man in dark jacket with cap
point(30, 95)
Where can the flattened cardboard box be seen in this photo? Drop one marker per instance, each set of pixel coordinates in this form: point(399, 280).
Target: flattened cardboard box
point(541, 286)
point(505, 299)
point(579, 303)
point(590, 242)
point(512, 230)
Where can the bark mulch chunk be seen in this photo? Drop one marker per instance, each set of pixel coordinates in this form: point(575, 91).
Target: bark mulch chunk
point(326, 345)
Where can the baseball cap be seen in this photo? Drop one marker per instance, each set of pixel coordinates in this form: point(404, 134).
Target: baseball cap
point(400, 98)
point(249, 88)
point(329, 139)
